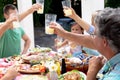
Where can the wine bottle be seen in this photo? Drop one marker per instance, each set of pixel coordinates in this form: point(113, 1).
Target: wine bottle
point(63, 68)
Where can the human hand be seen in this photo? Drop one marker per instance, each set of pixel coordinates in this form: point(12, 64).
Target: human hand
point(55, 43)
point(95, 64)
point(35, 7)
point(58, 44)
point(12, 17)
point(11, 73)
point(73, 13)
point(57, 28)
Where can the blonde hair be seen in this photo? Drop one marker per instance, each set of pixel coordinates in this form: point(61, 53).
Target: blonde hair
point(94, 14)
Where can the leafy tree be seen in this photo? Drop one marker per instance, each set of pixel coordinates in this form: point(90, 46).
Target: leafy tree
point(112, 3)
point(48, 8)
point(2, 4)
point(38, 18)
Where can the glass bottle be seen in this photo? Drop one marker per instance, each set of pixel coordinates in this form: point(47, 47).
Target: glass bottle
point(63, 68)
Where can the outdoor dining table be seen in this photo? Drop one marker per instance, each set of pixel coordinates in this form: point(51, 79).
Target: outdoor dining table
point(31, 77)
point(5, 64)
point(22, 76)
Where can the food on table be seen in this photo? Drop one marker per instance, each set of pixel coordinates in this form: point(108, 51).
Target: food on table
point(58, 68)
point(24, 66)
point(5, 63)
point(31, 59)
point(73, 75)
point(76, 63)
point(45, 49)
point(40, 50)
point(35, 67)
point(74, 60)
point(13, 58)
point(39, 67)
point(27, 68)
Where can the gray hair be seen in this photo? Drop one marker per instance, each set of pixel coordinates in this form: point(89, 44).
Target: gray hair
point(108, 23)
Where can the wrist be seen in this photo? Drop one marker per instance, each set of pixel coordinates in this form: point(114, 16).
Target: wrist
point(31, 10)
point(91, 75)
point(6, 24)
point(76, 17)
point(24, 51)
point(64, 33)
point(92, 72)
point(6, 77)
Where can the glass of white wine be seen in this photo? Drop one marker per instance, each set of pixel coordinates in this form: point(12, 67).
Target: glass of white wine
point(16, 23)
point(40, 10)
point(48, 19)
point(66, 7)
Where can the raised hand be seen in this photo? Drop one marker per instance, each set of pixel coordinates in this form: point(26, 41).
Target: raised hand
point(35, 7)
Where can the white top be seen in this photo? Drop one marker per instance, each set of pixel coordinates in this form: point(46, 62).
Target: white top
point(74, 48)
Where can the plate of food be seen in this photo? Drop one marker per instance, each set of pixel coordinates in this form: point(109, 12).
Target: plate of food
point(31, 58)
point(27, 69)
point(40, 50)
point(73, 75)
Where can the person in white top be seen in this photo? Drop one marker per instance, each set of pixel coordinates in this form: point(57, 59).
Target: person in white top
point(72, 47)
point(89, 28)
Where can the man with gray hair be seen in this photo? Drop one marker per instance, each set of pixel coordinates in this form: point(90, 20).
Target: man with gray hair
point(106, 40)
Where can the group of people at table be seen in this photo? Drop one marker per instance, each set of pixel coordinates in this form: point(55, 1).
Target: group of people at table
point(104, 37)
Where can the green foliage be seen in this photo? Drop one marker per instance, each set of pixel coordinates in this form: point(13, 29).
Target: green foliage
point(47, 6)
point(39, 18)
point(1, 14)
point(2, 4)
point(112, 3)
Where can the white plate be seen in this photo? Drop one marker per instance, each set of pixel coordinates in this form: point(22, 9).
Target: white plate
point(83, 75)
